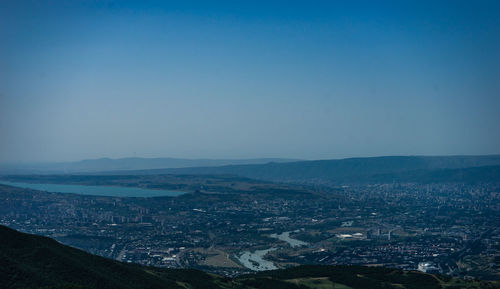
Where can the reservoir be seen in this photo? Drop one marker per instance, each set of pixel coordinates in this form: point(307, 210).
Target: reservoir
point(95, 190)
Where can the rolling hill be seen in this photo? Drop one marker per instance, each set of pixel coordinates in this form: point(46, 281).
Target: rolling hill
point(357, 170)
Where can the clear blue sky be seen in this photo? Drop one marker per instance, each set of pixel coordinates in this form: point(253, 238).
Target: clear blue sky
point(239, 79)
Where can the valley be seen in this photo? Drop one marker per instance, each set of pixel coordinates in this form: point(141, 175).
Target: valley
point(222, 219)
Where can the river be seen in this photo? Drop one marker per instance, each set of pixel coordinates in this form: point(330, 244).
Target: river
point(255, 261)
point(285, 236)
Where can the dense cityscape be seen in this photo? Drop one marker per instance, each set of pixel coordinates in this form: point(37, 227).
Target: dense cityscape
point(241, 225)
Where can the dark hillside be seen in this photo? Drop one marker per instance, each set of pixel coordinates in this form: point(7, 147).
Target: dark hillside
point(33, 261)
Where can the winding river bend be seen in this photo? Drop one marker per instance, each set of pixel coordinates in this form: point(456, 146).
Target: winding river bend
point(285, 236)
point(255, 261)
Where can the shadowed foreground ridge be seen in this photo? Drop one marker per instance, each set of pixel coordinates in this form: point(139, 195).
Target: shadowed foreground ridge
point(30, 261)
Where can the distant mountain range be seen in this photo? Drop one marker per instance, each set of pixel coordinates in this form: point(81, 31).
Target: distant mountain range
point(30, 261)
point(419, 169)
point(125, 164)
point(359, 170)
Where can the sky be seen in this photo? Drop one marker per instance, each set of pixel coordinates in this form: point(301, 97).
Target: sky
point(248, 79)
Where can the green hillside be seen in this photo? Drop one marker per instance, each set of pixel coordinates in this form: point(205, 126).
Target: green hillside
point(30, 261)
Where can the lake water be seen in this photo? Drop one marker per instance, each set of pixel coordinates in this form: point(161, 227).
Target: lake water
point(95, 190)
point(285, 236)
point(255, 261)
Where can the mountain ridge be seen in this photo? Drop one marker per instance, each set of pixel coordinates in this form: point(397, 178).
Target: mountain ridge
point(124, 164)
point(371, 170)
point(351, 170)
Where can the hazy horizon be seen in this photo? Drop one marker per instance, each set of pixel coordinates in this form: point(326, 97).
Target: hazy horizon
point(232, 159)
point(233, 80)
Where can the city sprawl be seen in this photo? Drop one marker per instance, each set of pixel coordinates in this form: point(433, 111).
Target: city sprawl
point(232, 225)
